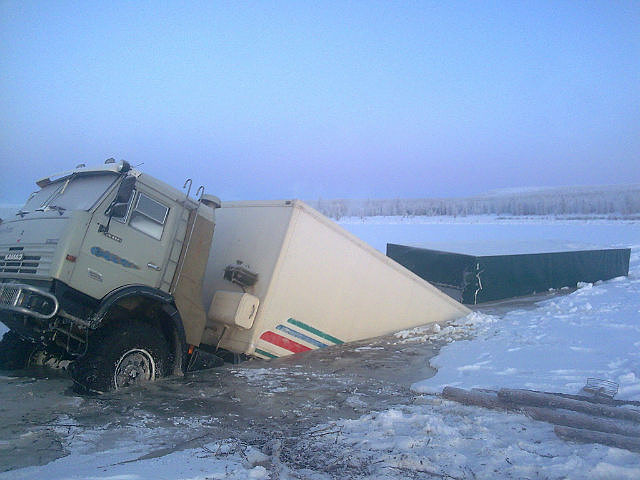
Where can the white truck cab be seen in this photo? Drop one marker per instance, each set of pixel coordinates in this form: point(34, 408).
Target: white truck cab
point(94, 251)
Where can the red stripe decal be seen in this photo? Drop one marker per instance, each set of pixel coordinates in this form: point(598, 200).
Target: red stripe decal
point(283, 342)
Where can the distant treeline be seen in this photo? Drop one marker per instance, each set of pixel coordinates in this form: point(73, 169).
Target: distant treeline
point(618, 200)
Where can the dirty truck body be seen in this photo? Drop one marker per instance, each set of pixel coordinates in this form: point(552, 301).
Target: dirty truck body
point(128, 277)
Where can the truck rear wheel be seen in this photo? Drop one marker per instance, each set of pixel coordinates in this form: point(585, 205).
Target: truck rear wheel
point(121, 356)
point(15, 351)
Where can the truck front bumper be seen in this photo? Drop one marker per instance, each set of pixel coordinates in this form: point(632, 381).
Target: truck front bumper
point(28, 310)
point(28, 300)
point(35, 314)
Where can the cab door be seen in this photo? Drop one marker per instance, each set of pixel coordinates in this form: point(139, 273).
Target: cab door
point(133, 250)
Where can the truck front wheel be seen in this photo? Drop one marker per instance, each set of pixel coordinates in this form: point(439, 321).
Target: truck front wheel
point(122, 356)
point(14, 351)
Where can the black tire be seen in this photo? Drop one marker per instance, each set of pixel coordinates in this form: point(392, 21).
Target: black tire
point(120, 356)
point(15, 352)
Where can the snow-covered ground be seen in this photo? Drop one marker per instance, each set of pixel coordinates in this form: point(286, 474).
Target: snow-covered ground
point(593, 332)
point(551, 343)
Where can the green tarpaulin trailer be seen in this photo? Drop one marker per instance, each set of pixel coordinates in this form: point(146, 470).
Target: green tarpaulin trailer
point(474, 278)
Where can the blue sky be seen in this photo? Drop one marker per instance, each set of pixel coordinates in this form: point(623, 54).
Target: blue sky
point(359, 99)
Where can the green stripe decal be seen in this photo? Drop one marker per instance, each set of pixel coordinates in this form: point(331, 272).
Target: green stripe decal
point(309, 328)
point(266, 354)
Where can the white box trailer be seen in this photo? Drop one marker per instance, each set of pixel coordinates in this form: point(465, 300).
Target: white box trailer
point(317, 285)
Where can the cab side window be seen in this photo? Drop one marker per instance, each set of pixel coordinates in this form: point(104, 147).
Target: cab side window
point(149, 216)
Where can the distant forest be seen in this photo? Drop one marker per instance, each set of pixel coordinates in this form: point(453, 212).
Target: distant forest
point(608, 201)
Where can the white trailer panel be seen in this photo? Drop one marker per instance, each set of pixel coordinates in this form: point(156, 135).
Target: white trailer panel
point(318, 285)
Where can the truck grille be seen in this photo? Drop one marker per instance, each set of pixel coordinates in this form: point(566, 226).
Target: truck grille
point(8, 294)
point(28, 264)
point(36, 260)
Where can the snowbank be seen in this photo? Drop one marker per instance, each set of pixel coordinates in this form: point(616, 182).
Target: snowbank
point(441, 439)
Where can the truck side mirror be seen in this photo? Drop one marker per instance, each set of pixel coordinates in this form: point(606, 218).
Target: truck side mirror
point(118, 207)
point(124, 191)
point(118, 210)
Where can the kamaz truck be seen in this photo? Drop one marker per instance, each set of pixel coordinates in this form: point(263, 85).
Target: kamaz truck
point(122, 275)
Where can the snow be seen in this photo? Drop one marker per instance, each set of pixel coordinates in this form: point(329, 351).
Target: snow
point(592, 332)
point(218, 460)
point(491, 234)
point(450, 440)
point(552, 344)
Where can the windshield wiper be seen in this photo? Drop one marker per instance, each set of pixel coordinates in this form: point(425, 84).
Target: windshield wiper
point(58, 209)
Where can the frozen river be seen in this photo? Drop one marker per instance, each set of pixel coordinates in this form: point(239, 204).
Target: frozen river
point(254, 402)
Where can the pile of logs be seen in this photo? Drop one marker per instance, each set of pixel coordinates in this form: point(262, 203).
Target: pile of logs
point(576, 418)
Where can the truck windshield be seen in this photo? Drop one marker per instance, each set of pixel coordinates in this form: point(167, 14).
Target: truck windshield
point(77, 192)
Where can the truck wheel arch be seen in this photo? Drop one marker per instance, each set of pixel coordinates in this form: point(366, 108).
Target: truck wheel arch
point(160, 311)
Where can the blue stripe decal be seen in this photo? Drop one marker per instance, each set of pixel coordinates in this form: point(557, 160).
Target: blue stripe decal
point(301, 336)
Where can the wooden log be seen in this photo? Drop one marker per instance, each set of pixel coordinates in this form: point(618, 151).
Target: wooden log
point(590, 436)
point(574, 419)
point(538, 399)
point(477, 398)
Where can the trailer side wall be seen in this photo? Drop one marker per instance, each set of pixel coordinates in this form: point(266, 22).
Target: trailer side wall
point(326, 286)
